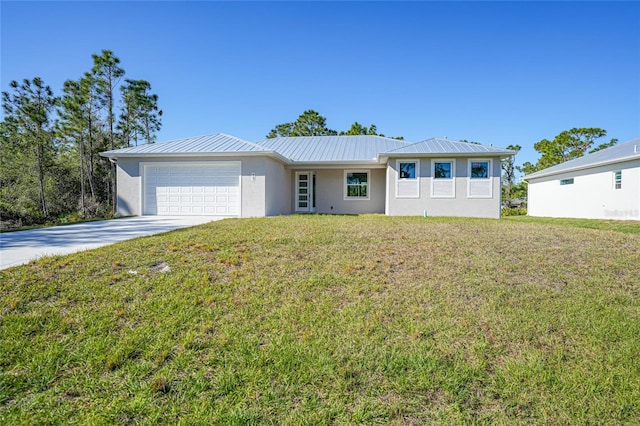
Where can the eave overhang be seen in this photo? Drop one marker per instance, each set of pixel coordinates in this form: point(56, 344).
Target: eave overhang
point(384, 157)
point(272, 154)
point(542, 173)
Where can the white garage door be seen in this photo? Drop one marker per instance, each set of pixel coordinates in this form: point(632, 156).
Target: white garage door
point(192, 189)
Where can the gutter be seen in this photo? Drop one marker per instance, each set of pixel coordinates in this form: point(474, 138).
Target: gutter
point(272, 154)
point(384, 157)
point(318, 165)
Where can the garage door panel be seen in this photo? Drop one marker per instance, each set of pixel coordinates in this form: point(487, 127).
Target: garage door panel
point(192, 189)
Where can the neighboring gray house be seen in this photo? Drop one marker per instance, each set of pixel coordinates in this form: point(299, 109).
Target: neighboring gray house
point(602, 185)
point(223, 175)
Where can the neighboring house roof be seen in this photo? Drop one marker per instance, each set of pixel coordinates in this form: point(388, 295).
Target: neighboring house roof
point(208, 144)
point(311, 149)
point(332, 148)
point(446, 147)
point(625, 151)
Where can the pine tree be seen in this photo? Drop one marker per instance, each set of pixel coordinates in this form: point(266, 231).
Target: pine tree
point(27, 128)
point(107, 74)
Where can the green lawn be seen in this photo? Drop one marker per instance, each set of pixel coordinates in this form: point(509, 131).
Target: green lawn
point(330, 320)
point(627, 226)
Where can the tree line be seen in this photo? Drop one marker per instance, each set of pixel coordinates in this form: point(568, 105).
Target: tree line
point(49, 143)
point(311, 123)
point(567, 145)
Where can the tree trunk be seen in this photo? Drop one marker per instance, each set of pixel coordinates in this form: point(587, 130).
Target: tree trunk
point(40, 167)
point(146, 129)
point(112, 166)
point(82, 206)
point(91, 158)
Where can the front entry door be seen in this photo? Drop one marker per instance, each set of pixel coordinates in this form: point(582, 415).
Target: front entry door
point(305, 192)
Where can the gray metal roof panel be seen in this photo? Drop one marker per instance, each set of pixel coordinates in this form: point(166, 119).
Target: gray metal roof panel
point(625, 151)
point(336, 149)
point(448, 147)
point(332, 148)
point(215, 143)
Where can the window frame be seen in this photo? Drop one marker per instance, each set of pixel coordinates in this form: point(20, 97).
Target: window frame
point(452, 179)
point(617, 179)
point(488, 179)
point(416, 178)
point(346, 185)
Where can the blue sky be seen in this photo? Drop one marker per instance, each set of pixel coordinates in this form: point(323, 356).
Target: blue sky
point(494, 72)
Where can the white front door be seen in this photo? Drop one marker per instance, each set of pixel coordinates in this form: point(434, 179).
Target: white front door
point(305, 192)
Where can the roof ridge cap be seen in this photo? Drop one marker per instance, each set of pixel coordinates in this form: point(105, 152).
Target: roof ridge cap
point(408, 144)
point(263, 148)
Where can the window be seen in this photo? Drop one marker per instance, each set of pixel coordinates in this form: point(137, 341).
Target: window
point(407, 170)
point(566, 181)
point(443, 183)
point(442, 169)
point(479, 170)
point(480, 184)
point(408, 185)
point(617, 179)
point(356, 185)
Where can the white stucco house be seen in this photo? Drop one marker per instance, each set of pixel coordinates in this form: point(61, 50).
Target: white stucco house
point(602, 185)
point(223, 175)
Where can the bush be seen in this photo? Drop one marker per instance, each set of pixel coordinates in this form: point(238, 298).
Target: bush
point(516, 211)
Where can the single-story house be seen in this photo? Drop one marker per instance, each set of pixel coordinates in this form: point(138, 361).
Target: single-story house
point(223, 175)
point(601, 185)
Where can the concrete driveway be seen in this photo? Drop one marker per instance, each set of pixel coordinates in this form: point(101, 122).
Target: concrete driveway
point(17, 248)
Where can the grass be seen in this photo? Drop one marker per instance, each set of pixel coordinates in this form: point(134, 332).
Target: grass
point(626, 226)
point(329, 319)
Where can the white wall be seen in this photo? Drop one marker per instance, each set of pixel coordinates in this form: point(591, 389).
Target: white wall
point(278, 189)
point(253, 184)
point(460, 205)
point(591, 196)
point(330, 186)
point(128, 178)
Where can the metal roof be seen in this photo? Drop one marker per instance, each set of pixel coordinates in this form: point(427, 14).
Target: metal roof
point(625, 151)
point(216, 143)
point(308, 149)
point(332, 148)
point(448, 147)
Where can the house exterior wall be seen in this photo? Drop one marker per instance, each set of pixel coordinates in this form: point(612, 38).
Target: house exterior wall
point(459, 205)
point(255, 171)
point(330, 191)
point(591, 196)
point(253, 187)
point(278, 189)
point(128, 176)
